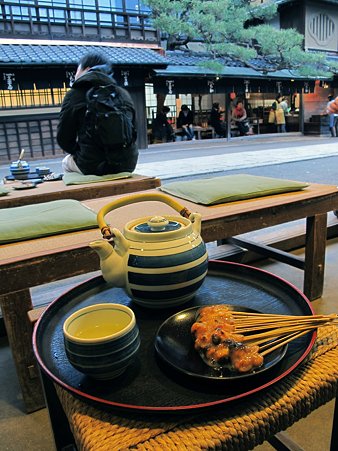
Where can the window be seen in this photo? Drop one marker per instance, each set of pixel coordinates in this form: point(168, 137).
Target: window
point(82, 4)
point(111, 5)
point(120, 14)
point(20, 12)
point(76, 17)
point(29, 98)
point(90, 18)
point(105, 19)
point(53, 2)
point(136, 6)
point(170, 101)
point(54, 15)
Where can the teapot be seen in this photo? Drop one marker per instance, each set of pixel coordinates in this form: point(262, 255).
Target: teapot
point(160, 261)
point(20, 168)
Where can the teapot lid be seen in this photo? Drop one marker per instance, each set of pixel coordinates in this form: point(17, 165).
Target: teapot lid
point(157, 228)
point(158, 224)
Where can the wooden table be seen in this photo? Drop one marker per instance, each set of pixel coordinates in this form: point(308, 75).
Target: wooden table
point(239, 426)
point(56, 190)
point(30, 263)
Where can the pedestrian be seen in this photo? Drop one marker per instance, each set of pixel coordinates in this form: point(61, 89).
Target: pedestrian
point(162, 130)
point(185, 121)
point(333, 116)
point(284, 104)
point(332, 111)
point(216, 120)
point(277, 108)
point(86, 154)
point(240, 118)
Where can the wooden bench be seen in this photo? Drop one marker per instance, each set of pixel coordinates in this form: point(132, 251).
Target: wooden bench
point(317, 125)
point(204, 132)
point(200, 132)
point(35, 262)
point(56, 190)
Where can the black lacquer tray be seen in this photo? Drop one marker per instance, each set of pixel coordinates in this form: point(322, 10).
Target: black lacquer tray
point(30, 176)
point(149, 385)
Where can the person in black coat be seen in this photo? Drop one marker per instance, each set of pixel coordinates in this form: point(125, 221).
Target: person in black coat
point(185, 121)
point(85, 154)
point(216, 120)
point(161, 128)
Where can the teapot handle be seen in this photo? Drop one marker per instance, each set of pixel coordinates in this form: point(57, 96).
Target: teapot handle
point(127, 200)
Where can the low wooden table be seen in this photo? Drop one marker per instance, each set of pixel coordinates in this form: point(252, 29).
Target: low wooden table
point(35, 262)
point(56, 190)
point(134, 412)
point(239, 426)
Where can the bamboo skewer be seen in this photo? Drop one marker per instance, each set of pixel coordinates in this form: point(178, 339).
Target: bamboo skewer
point(272, 325)
point(269, 340)
point(271, 343)
point(252, 326)
point(276, 330)
point(282, 342)
point(279, 315)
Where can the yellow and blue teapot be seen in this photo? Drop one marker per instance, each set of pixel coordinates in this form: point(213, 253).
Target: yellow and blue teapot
point(161, 261)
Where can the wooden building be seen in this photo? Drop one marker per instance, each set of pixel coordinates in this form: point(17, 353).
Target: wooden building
point(40, 46)
point(41, 43)
point(34, 77)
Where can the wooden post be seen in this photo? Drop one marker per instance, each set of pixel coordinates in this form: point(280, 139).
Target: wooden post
point(19, 333)
point(228, 116)
point(138, 96)
point(301, 113)
point(315, 246)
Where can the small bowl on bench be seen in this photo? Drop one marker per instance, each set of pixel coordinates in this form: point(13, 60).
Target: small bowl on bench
point(42, 171)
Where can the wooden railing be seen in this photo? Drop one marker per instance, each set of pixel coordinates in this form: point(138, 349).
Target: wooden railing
point(92, 22)
point(34, 133)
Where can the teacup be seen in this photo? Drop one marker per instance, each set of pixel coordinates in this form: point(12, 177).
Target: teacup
point(42, 170)
point(101, 340)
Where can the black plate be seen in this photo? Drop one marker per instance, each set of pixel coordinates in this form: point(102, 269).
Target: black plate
point(24, 185)
point(149, 385)
point(174, 344)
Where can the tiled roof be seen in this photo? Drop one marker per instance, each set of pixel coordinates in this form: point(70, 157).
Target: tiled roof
point(186, 58)
point(37, 54)
point(186, 63)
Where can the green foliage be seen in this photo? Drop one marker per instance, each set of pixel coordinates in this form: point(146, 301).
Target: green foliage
point(235, 28)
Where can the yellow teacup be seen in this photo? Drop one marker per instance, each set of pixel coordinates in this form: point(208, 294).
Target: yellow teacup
point(101, 340)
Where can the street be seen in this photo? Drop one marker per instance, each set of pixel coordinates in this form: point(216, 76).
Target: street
point(291, 155)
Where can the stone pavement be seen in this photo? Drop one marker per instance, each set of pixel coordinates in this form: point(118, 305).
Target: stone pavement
point(207, 156)
point(231, 161)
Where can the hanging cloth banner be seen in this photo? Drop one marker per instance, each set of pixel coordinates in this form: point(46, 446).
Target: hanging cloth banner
point(8, 81)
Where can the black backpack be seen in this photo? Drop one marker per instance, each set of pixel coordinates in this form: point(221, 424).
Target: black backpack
point(110, 119)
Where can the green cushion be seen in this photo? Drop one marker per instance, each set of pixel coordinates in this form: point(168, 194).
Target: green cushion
point(230, 188)
point(73, 178)
point(48, 218)
point(3, 191)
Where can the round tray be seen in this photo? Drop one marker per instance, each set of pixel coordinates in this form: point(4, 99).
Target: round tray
point(149, 384)
point(31, 175)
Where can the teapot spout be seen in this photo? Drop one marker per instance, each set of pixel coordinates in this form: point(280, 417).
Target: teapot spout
point(112, 263)
point(196, 220)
